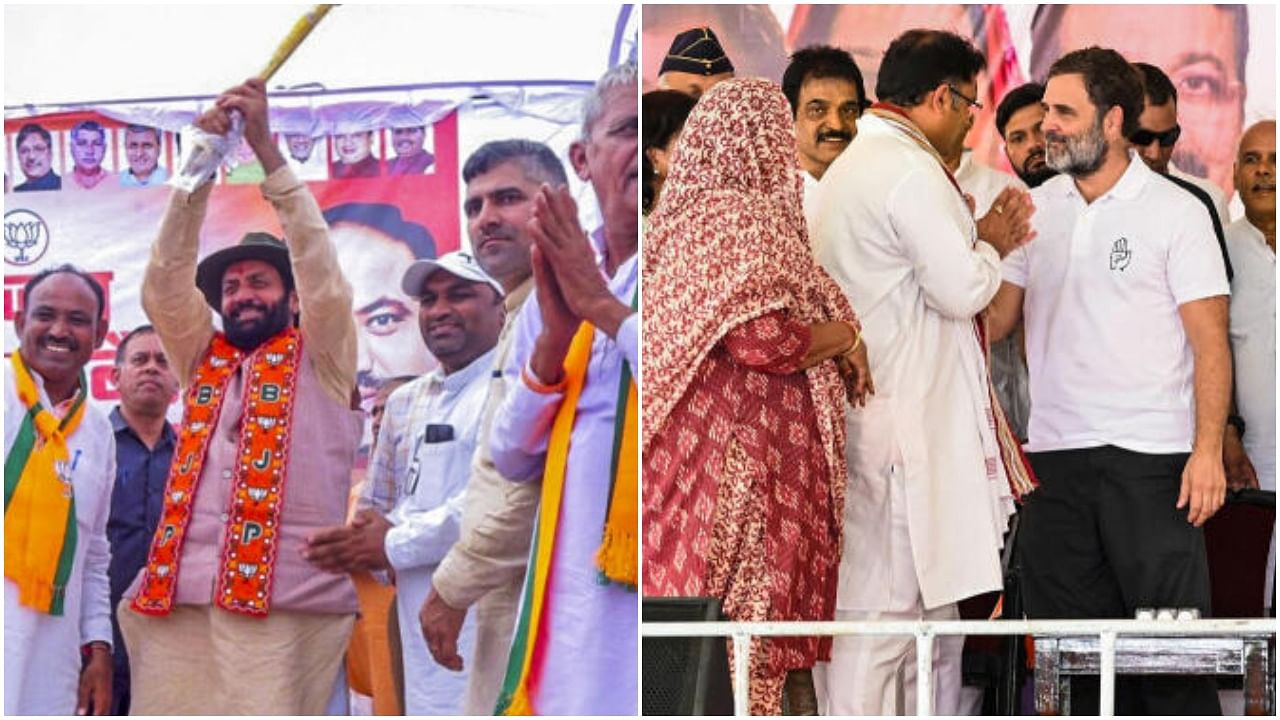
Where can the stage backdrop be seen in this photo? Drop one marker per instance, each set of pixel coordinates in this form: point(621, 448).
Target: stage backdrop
point(385, 166)
point(1221, 58)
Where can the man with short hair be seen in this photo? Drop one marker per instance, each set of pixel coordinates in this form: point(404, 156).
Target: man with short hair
point(1018, 121)
point(411, 506)
point(574, 652)
point(933, 466)
point(1158, 131)
point(88, 147)
point(1251, 240)
point(1127, 408)
point(694, 63)
point(142, 146)
point(375, 242)
point(57, 621)
point(825, 90)
point(411, 157)
point(144, 449)
point(486, 567)
point(355, 156)
point(35, 157)
point(227, 616)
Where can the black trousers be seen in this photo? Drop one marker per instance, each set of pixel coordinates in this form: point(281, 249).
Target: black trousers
point(1100, 538)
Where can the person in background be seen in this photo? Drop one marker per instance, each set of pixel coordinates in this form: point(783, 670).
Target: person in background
point(695, 63)
point(664, 113)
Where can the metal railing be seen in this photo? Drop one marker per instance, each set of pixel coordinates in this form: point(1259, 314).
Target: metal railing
point(926, 630)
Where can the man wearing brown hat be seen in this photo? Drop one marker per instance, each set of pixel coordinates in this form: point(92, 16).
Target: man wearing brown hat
point(695, 63)
point(227, 617)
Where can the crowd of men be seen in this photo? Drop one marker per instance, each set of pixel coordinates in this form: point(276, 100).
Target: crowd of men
point(1058, 341)
point(218, 566)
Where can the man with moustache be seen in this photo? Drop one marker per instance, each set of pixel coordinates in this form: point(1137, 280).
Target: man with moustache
point(486, 567)
point(142, 149)
point(1251, 240)
point(227, 616)
point(144, 449)
point(412, 502)
point(35, 156)
point(88, 147)
point(1018, 119)
point(695, 62)
point(933, 466)
point(1127, 408)
point(57, 621)
point(576, 429)
point(411, 158)
point(355, 156)
point(827, 96)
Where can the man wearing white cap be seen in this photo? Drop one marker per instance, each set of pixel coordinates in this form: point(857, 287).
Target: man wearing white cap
point(411, 510)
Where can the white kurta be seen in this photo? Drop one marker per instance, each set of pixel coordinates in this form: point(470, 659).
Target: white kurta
point(1008, 368)
point(42, 652)
point(590, 662)
point(1253, 347)
point(899, 239)
point(430, 479)
point(1253, 343)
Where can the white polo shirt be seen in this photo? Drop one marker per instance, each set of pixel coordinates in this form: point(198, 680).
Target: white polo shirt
point(1253, 343)
point(1109, 361)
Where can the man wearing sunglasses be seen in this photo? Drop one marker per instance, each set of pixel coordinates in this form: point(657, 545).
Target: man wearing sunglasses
point(1158, 132)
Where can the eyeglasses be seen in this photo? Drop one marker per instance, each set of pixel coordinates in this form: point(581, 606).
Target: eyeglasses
point(1143, 138)
point(973, 103)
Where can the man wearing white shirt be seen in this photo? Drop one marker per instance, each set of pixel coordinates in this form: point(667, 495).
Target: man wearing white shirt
point(1251, 240)
point(1124, 296)
point(51, 618)
point(929, 489)
point(826, 93)
point(411, 510)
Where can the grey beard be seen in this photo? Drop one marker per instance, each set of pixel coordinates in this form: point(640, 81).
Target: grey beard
point(1080, 156)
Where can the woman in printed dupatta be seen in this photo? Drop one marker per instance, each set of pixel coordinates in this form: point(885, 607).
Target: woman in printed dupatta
point(747, 342)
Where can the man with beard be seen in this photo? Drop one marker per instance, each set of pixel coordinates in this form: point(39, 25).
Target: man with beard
point(57, 620)
point(1125, 303)
point(695, 62)
point(929, 484)
point(486, 567)
point(35, 156)
point(88, 147)
point(1018, 121)
point(825, 90)
point(1252, 243)
point(411, 506)
point(227, 616)
point(574, 651)
point(411, 158)
point(144, 449)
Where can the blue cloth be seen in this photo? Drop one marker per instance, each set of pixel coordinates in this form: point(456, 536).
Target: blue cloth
point(48, 181)
point(136, 502)
point(157, 177)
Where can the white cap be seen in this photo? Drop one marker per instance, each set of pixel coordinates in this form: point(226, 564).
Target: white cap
point(457, 263)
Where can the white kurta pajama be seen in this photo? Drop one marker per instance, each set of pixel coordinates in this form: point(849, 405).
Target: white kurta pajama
point(590, 628)
point(42, 652)
point(429, 479)
point(1253, 346)
point(928, 500)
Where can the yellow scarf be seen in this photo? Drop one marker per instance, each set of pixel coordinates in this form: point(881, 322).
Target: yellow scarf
point(616, 557)
point(39, 505)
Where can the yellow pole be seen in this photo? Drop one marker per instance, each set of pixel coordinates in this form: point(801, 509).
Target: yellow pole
point(301, 29)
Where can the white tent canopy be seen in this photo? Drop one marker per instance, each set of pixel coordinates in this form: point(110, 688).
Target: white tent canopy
point(74, 54)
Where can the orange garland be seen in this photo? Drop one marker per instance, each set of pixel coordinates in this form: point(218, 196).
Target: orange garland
point(249, 547)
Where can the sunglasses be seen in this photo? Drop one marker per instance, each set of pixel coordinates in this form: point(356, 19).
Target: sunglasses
point(1143, 138)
